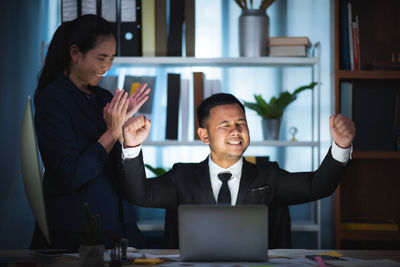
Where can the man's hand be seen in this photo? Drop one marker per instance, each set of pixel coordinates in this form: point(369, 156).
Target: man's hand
point(342, 130)
point(137, 99)
point(135, 131)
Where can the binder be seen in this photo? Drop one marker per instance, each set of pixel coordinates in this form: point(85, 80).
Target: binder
point(89, 7)
point(161, 28)
point(130, 28)
point(108, 10)
point(174, 45)
point(189, 18)
point(69, 10)
point(173, 95)
point(148, 28)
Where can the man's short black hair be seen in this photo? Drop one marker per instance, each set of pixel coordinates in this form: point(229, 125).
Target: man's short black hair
point(203, 110)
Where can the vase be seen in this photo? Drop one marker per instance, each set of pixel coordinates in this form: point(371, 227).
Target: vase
point(253, 33)
point(271, 128)
point(91, 255)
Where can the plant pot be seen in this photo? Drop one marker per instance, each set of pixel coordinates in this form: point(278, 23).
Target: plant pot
point(91, 255)
point(271, 128)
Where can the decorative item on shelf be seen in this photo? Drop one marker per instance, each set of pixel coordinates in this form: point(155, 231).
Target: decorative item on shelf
point(253, 29)
point(293, 131)
point(272, 112)
point(91, 251)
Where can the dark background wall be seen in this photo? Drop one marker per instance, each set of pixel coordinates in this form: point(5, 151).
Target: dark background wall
point(24, 25)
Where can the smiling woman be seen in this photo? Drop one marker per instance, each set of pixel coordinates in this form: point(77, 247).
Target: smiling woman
point(78, 126)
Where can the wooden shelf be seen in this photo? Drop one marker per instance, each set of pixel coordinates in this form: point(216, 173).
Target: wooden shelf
point(367, 154)
point(370, 235)
point(368, 74)
point(369, 188)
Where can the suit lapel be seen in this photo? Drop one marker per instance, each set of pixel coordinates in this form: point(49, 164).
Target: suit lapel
point(248, 176)
point(202, 176)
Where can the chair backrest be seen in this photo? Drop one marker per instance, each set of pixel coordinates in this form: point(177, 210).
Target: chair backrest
point(31, 170)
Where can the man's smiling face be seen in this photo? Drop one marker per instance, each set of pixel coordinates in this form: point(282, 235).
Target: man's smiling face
point(227, 134)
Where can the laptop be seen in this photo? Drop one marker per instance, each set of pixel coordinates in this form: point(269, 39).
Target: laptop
point(223, 233)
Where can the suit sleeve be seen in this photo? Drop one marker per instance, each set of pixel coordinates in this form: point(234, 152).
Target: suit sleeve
point(297, 188)
point(58, 143)
point(159, 192)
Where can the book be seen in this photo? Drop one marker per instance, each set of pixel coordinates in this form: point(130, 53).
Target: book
point(174, 41)
point(366, 226)
point(173, 96)
point(350, 32)
point(397, 120)
point(344, 51)
point(148, 28)
point(109, 82)
point(189, 20)
point(161, 28)
point(198, 96)
point(356, 47)
point(184, 110)
point(131, 83)
point(358, 42)
point(289, 51)
point(374, 116)
point(346, 99)
point(289, 41)
point(211, 87)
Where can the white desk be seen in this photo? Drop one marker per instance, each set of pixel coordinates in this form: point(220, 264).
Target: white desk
point(13, 256)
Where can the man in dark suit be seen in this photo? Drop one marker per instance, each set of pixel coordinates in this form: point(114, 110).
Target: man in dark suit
point(223, 127)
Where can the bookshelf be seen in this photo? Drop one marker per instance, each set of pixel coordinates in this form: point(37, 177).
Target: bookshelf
point(368, 193)
point(313, 224)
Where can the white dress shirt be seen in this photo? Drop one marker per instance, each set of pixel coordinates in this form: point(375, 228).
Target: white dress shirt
point(233, 182)
point(338, 153)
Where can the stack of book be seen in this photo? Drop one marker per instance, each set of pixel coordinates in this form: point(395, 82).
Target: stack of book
point(289, 46)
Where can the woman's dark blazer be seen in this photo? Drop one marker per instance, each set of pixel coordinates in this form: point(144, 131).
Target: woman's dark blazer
point(77, 168)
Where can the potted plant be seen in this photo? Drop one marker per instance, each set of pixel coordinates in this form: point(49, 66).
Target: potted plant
point(91, 251)
point(271, 112)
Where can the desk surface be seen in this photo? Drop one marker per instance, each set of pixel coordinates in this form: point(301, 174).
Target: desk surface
point(13, 256)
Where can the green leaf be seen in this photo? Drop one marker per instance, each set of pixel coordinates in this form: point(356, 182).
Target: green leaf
point(156, 171)
point(276, 105)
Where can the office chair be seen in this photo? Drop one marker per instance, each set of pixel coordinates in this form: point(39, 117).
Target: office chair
point(32, 176)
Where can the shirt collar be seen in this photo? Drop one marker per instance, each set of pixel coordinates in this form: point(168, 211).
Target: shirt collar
point(235, 169)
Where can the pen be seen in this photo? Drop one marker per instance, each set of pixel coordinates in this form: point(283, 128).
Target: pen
point(147, 261)
point(320, 261)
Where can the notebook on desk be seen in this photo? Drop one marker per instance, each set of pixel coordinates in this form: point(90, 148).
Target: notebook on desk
point(223, 233)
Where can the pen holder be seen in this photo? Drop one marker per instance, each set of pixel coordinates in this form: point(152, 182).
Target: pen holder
point(253, 33)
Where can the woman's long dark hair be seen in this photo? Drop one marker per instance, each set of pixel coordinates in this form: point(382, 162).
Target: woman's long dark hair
point(83, 32)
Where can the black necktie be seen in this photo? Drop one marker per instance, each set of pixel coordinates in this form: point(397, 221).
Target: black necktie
point(224, 195)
